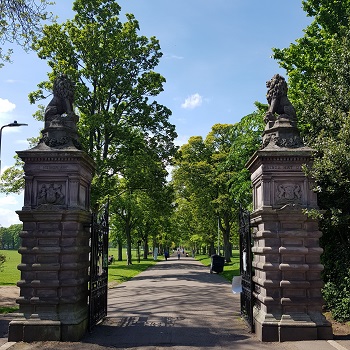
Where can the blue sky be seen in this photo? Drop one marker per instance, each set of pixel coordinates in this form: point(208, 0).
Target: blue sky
point(216, 60)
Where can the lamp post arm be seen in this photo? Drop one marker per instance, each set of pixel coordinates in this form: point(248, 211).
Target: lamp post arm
point(0, 145)
point(4, 126)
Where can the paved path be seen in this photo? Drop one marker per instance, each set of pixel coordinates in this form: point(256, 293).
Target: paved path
point(175, 304)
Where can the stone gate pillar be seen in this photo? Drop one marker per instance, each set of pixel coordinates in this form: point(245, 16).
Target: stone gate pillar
point(56, 231)
point(286, 241)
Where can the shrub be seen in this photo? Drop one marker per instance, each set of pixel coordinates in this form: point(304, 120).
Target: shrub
point(2, 261)
point(337, 298)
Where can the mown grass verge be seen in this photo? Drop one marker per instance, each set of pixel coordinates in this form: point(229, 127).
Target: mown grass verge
point(118, 271)
point(230, 269)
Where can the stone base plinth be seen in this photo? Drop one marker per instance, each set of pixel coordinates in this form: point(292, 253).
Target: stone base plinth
point(29, 330)
point(294, 327)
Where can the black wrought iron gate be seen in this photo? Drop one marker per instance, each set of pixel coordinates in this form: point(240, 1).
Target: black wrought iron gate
point(98, 284)
point(245, 240)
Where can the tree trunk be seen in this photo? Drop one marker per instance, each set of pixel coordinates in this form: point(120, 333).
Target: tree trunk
point(120, 249)
point(226, 235)
point(145, 248)
point(128, 241)
point(211, 249)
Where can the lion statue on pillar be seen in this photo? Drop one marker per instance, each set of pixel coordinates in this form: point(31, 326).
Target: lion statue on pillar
point(278, 101)
point(62, 102)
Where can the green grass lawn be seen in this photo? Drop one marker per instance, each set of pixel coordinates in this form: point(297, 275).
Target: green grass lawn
point(9, 275)
point(118, 272)
point(230, 269)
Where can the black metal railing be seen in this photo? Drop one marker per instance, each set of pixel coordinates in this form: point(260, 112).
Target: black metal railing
point(98, 285)
point(246, 269)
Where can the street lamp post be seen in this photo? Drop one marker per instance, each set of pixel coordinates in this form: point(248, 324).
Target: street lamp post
point(218, 235)
point(9, 125)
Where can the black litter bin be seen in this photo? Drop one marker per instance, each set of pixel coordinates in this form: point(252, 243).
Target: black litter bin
point(217, 263)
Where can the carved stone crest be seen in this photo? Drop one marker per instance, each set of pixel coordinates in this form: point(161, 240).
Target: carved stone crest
point(288, 193)
point(50, 194)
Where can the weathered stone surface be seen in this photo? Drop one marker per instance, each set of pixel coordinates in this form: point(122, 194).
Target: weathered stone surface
point(286, 241)
point(55, 246)
point(286, 248)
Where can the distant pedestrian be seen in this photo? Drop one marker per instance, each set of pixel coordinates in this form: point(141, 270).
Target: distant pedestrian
point(155, 253)
point(178, 254)
point(166, 255)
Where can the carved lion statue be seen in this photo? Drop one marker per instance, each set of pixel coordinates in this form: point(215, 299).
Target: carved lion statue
point(278, 100)
point(63, 97)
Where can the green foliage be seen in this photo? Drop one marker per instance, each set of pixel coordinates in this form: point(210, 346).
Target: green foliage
point(337, 297)
point(200, 183)
point(2, 261)
point(246, 139)
point(319, 86)
point(9, 236)
point(12, 180)
point(211, 181)
point(121, 125)
point(8, 309)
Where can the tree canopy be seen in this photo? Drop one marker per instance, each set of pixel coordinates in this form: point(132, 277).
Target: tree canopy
point(211, 181)
point(319, 85)
point(121, 125)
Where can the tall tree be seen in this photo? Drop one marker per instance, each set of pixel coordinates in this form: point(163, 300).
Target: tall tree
point(245, 140)
point(310, 55)
point(193, 183)
point(122, 126)
point(219, 142)
point(211, 180)
point(318, 71)
point(9, 236)
point(116, 85)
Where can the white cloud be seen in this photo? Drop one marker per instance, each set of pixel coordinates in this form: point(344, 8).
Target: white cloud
point(8, 200)
point(173, 57)
point(8, 206)
point(192, 101)
point(8, 218)
point(6, 106)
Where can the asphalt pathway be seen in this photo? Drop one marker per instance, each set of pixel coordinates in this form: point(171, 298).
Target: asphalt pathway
point(177, 305)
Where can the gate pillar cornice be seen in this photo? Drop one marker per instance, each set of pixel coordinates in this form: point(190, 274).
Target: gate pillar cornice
point(286, 248)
